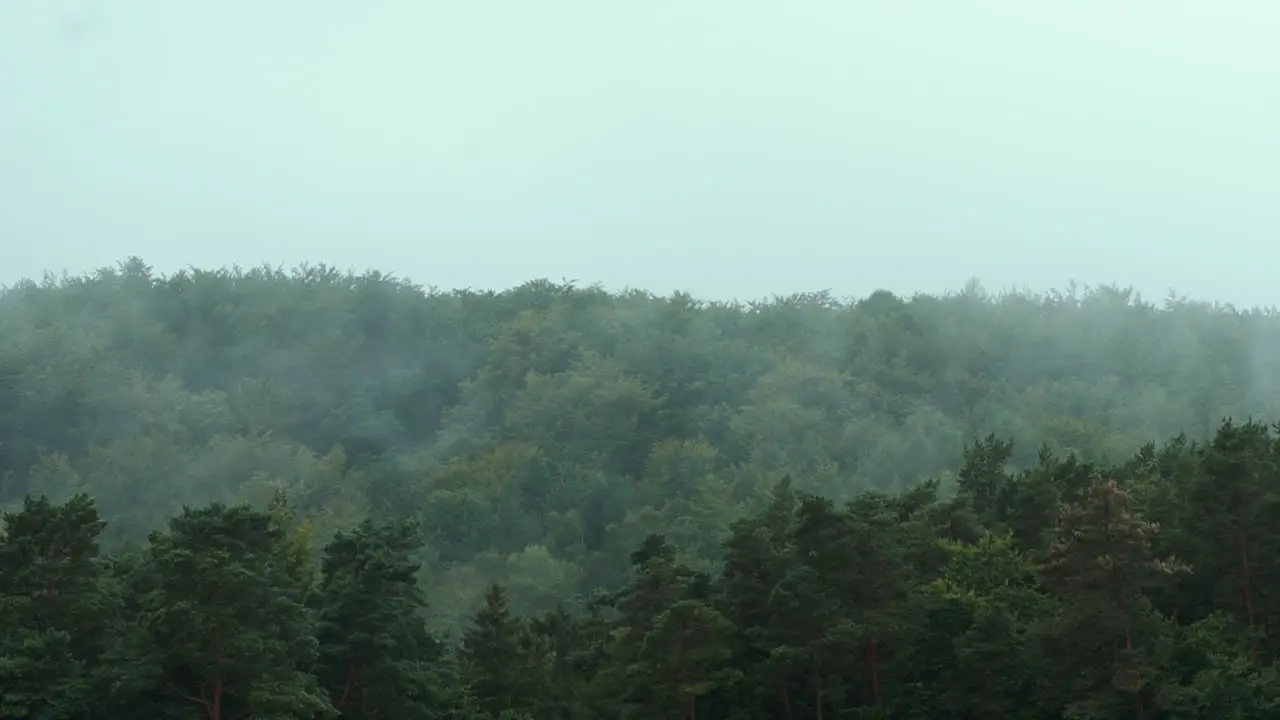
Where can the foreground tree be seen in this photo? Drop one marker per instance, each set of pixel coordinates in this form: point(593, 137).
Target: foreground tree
point(1101, 566)
point(492, 658)
point(53, 621)
point(1232, 515)
point(683, 659)
point(226, 607)
point(377, 657)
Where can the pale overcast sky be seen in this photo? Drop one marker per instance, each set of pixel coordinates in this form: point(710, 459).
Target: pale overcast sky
point(725, 147)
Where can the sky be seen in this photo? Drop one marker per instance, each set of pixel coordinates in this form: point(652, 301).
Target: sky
point(728, 148)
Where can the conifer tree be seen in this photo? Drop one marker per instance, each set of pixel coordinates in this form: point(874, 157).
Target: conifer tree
point(683, 658)
point(659, 583)
point(1100, 567)
point(1232, 511)
point(54, 622)
point(377, 658)
point(225, 607)
point(490, 657)
point(757, 559)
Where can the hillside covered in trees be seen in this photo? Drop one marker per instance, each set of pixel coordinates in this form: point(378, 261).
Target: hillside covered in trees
point(321, 493)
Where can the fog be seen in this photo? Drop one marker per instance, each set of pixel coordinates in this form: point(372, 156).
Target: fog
point(725, 148)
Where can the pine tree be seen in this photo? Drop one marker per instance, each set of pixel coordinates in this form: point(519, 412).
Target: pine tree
point(1106, 637)
point(659, 583)
point(973, 658)
point(984, 478)
point(490, 657)
point(554, 639)
point(1232, 510)
point(683, 658)
point(223, 602)
point(757, 560)
point(54, 623)
point(377, 658)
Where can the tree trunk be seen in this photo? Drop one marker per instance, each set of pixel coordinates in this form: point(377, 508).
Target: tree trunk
point(817, 680)
point(1128, 645)
point(1247, 576)
point(215, 706)
point(786, 696)
point(873, 668)
point(353, 670)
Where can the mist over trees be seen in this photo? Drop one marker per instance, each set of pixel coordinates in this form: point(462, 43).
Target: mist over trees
point(317, 494)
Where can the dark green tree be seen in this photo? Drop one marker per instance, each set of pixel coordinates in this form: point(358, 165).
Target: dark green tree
point(492, 658)
point(224, 604)
point(758, 558)
point(377, 659)
point(683, 659)
point(1231, 514)
point(1106, 640)
point(54, 615)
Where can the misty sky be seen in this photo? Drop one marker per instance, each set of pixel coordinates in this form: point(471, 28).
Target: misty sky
point(725, 147)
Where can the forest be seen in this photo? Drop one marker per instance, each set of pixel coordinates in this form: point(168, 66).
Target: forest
point(318, 494)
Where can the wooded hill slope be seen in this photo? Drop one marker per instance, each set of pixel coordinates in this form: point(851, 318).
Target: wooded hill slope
point(539, 434)
point(1145, 589)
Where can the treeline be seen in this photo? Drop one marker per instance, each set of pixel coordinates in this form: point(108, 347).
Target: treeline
point(1144, 589)
point(538, 435)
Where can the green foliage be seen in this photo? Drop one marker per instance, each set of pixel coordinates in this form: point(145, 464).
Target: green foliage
point(223, 605)
point(377, 657)
point(873, 608)
point(493, 658)
point(628, 506)
point(56, 616)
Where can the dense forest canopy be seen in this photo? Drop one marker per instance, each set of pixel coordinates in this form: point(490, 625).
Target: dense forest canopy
point(323, 493)
point(539, 433)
